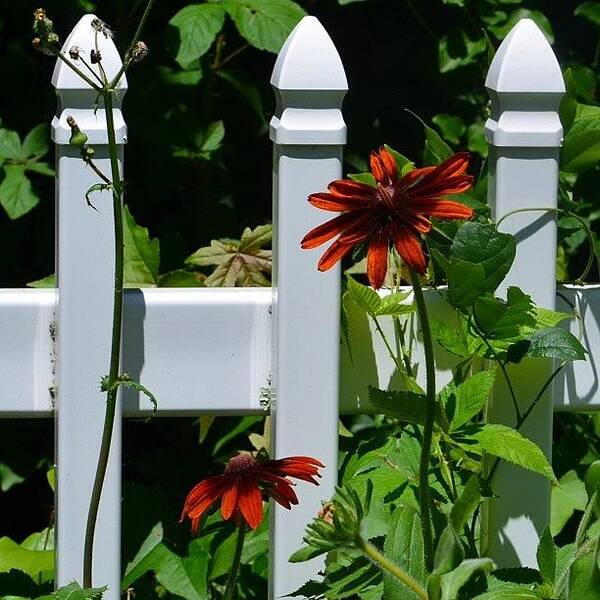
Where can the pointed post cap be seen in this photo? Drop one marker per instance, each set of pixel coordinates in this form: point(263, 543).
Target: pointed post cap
point(526, 86)
point(76, 98)
point(310, 84)
point(525, 62)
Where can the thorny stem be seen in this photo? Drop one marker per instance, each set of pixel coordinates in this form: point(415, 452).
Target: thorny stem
point(115, 353)
point(387, 565)
point(235, 565)
point(425, 493)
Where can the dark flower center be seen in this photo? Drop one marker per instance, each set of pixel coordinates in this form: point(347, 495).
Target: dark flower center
point(389, 202)
point(240, 463)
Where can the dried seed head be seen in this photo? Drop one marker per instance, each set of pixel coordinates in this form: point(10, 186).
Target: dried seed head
point(74, 52)
point(102, 27)
point(139, 52)
point(95, 57)
point(36, 43)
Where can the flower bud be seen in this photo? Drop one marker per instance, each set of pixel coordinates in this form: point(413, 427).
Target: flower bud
point(74, 52)
point(78, 138)
point(139, 52)
point(95, 57)
point(102, 27)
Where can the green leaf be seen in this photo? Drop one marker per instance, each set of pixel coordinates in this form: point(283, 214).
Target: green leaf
point(16, 194)
point(566, 498)
point(453, 581)
point(127, 382)
point(46, 282)
point(198, 26)
point(403, 164)
point(465, 400)
point(246, 87)
point(32, 562)
point(584, 576)
point(590, 11)
point(466, 504)
point(239, 263)
point(409, 407)
point(37, 141)
point(180, 278)
point(404, 547)
point(509, 445)
point(183, 576)
point(451, 126)
point(555, 342)
point(363, 296)
point(265, 24)
point(142, 254)
point(476, 140)
point(540, 19)
point(10, 145)
point(546, 556)
point(458, 49)
point(581, 147)
point(510, 592)
point(73, 591)
point(366, 178)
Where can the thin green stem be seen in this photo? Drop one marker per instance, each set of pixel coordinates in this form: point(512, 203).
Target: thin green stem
point(392, 568)
point(115, 354)
point(561, 211)
point(235, 566)
point(136, 38)
point(425, 492)
point(89, 68)
point(77, 70)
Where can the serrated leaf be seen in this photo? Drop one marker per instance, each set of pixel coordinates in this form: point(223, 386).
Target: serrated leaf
point(510, 445)
point(32, 562)
point(463, 401)
point(142, 254)
point(567, 497)
point(239, 263)
point(363, 296)
point(16, 194)
point(265, 24)
point(404, 547)
point(409, 407)
point(555, 342)
point(73, 591)
point(198, 26)
point(584, 575)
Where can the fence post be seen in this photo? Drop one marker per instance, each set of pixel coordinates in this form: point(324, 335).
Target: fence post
point(85, 270)
point(524, 134)
point(308, 133)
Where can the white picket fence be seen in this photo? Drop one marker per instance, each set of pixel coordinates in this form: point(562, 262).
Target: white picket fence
point(214, 351)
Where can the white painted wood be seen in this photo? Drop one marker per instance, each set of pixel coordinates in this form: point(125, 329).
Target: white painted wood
point(85, 271)
point(524, 132)
point(308, 134)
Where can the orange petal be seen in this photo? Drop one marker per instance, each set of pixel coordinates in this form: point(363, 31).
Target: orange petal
point(332, 255)
point(454, 166)
point(210, 489)
point(409, 248)
point(377, 258)
point(413, 176)
point(443, 209)
point(442, 187)
point(349, 187)
point(334, 203)
point(383, 166)
point(250, 502)
point(328, 230)
point(229, 500)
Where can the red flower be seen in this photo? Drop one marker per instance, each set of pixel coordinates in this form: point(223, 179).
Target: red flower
point(395, 212)
point(242, 485)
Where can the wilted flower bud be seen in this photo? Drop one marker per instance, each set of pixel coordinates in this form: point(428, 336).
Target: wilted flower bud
point(36, 43)
point(78, 138)
point(39, 14)
point(139, 52)
point(74, 52)
point(102, 27)
point(95, 57)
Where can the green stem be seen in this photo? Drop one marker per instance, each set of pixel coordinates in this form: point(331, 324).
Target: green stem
point(78, 71)
point(136, 38)
point(235, 565)
point(115, 353)
point(425, 493)
point(387, 565)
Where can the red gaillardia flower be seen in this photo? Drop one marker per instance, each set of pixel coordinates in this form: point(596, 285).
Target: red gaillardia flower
point(395, 212)
point(242, 485)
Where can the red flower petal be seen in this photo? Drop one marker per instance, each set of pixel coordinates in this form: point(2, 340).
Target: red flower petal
point(418, 221)
point(409, 248)
point(328, 230)
point(454, 166)
point(444, 209)
point(349, 187)
point(283, 494)
point(229, 500)
point(207, 491)
point(445, 187)
point(250, 502)
point(332, 255)
point(383, 166)
point(413, 176)
point(377, 257)
point(334, 203)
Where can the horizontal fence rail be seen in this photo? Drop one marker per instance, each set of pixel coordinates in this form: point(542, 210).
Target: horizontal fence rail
point(223, 336)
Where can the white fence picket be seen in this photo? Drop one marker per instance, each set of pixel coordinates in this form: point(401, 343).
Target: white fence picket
point(524, 132)
point(85, 270)
point(308, 132)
